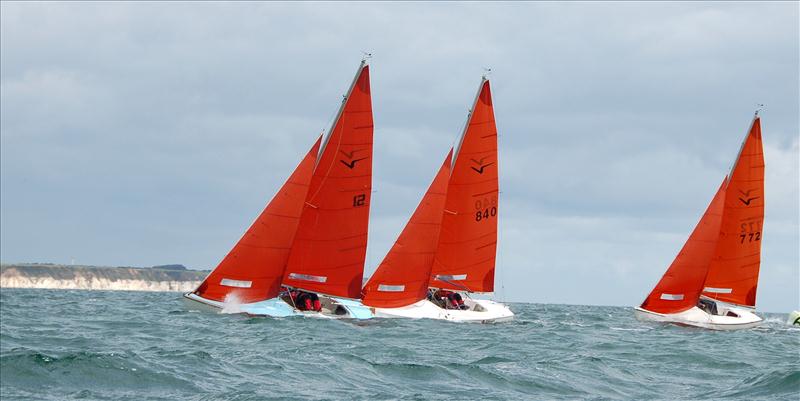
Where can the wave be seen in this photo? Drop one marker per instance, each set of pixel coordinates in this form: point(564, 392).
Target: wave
point(773, 384)
point(116, 372)
point(146, 346)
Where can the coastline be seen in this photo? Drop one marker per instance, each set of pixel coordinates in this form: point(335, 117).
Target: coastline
point(50, 276)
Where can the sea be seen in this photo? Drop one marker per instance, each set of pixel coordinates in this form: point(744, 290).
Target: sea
point(115, 345)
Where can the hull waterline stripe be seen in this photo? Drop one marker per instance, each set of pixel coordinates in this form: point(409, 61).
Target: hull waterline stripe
point(391, 288)
point(235, 283)
point(308, 277)
point(671, 297)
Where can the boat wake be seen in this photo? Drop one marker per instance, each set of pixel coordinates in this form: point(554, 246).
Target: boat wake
point(231, 304)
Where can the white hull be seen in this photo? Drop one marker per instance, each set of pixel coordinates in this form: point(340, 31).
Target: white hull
point(481, 311)
point(697, 317)
point(794, 318)
point(332, 308)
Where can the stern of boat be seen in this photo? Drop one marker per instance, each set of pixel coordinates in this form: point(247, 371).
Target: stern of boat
point(355, 309)
point(494, 312)
point(737, 319)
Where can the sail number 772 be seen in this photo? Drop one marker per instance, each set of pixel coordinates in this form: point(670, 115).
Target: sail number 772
point(751, 231)
point(756, 236)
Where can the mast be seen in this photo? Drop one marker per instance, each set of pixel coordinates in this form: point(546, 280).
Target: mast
point(457, 149)
point(744, 140)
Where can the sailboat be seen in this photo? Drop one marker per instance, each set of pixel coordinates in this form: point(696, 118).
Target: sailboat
point(310, 240)
point(712, 282)
point(449, 245)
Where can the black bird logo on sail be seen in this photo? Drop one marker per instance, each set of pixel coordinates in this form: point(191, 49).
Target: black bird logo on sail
point(349, 155)
point(747, 195)
point(480, 164)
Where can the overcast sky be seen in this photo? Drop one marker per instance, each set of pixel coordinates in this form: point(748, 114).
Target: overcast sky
point(152, 133)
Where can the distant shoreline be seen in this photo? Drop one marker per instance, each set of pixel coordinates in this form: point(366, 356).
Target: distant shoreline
point(166, 278)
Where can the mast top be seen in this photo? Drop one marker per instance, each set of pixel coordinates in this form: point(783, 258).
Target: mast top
point(365, 56)
point(759, 107)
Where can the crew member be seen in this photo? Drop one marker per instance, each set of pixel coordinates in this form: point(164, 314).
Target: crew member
point(450, 299)
point(305, 301)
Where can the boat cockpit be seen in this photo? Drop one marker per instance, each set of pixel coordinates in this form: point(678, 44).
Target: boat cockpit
point(311, 302)
point(712, 308)
point(453, 300)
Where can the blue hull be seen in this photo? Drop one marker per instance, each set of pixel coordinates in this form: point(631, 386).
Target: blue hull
point(276, 307)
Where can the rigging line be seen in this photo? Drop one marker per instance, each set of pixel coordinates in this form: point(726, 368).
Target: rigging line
point(329, 122)
point(500, 225)
point(463, 288)
point(289, 292)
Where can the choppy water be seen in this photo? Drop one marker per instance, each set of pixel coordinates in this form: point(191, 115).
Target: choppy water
point(146, 346)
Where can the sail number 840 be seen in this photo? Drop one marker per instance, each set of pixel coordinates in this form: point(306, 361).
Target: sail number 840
point(485, 208)
point(486, 213)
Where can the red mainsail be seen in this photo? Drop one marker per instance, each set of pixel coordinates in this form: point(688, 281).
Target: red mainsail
point(465, 256)
point(252, 270)
point(402, 277)
point(733, 275)
point(331, 242)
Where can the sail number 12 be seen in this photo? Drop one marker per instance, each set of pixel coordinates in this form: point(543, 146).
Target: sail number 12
point(359, 200)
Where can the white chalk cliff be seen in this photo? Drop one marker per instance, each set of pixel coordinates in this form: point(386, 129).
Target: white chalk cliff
point(94, 278)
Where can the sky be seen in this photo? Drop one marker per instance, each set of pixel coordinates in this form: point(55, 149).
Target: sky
point(141, 134)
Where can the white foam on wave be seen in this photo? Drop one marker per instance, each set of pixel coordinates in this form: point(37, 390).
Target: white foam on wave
point(629, 329)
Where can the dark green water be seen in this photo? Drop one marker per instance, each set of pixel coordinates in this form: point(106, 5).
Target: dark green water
point(60, 345)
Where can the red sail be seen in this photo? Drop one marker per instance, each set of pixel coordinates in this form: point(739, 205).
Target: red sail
point(329, 250)
point(252, 270)
point(403, 276)
point(733, 275)
point(465, 257)
point(680, 287)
